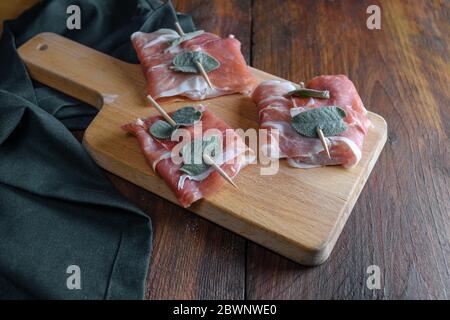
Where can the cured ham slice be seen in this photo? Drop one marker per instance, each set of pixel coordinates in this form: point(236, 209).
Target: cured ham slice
point(276, 110)
point(156, 53)
point(188, 189)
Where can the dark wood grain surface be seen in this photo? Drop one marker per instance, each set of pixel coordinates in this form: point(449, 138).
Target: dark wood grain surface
point(401, 222)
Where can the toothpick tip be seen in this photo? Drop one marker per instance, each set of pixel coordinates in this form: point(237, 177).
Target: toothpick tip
point(219, 170)
point(323, 141)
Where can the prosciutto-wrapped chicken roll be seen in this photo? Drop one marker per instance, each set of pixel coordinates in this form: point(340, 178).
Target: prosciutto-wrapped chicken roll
point(167, 62)
point(290, 109)
point(193, 179)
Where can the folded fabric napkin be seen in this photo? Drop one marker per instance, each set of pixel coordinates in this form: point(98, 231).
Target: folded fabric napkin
point(65, 232)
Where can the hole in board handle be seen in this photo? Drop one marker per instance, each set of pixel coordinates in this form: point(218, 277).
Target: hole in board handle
point(42, 47)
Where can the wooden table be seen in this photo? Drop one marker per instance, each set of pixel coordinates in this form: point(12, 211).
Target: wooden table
point(401, 222)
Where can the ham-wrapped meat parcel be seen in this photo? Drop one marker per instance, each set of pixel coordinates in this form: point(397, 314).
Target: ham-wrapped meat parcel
point(168, 61)
point(183, 168)
point(328, 103)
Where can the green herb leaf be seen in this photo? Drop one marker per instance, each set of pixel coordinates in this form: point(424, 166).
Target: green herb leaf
point(185, 62)
point(194, 169)
point(193, 154)
point(329, 119)
point(310, 93)
point(161, 130)
point(185, 37)
point(186, 116)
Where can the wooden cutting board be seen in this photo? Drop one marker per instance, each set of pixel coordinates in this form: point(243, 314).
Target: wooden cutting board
point(297, 213)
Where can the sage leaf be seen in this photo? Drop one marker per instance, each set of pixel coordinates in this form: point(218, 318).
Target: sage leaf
point(161, 130)
point(186, 116)
point(194, 169)
point(183, 117)
point(181, 39)
point(329, 119)
point(186, 62)
point(193, 163)
point(310, 93)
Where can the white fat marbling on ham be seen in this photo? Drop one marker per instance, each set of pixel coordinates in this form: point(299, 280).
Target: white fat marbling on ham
point(301, 165)
point(163, 156)
point(296, 111)
point(194, 87)
point(162, 39)
point(351, 145)
point(197, 178)
point(281, 85)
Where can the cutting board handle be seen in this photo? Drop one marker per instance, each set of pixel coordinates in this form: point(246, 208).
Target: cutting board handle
point(77, 70)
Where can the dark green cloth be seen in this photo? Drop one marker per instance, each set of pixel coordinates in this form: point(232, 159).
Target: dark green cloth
point(57, 208)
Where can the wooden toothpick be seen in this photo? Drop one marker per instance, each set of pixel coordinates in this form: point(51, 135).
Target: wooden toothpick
point(204, 74)
point(208, 160)
point(161, 111)
point(323, 141)
point(179, 29)
point(197, 63)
